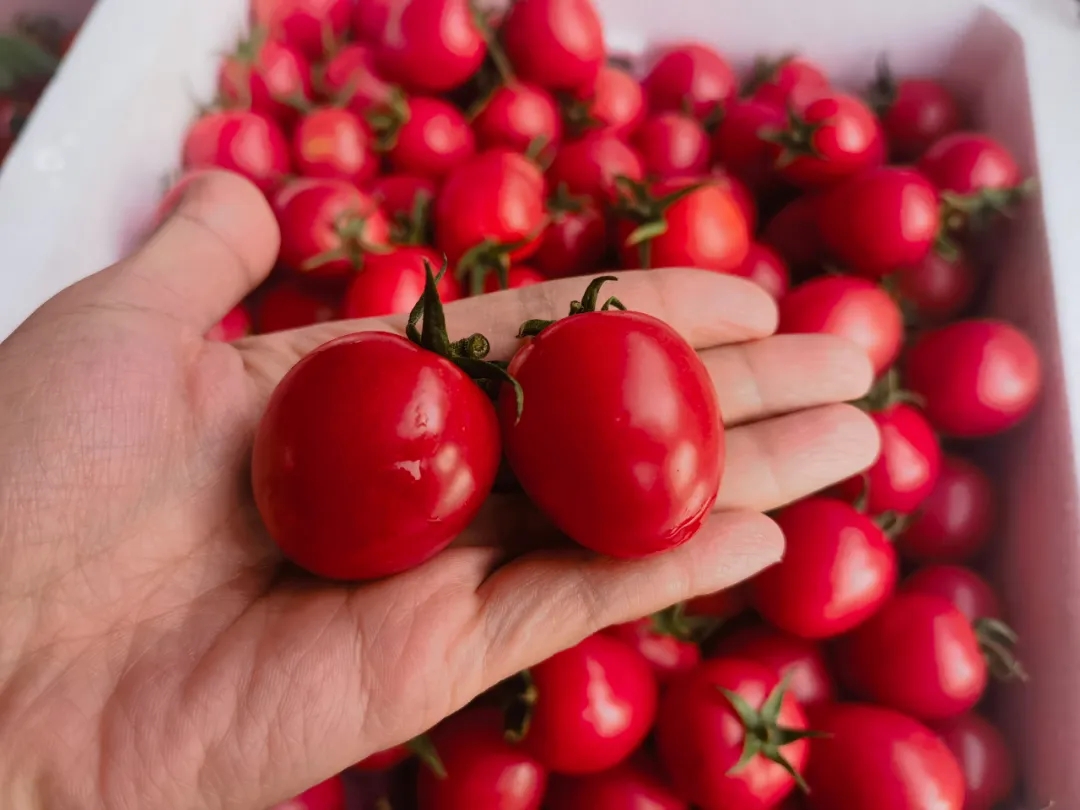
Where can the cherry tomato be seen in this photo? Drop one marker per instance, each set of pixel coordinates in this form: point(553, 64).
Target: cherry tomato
point(337, 144)
point(839, 569)
point(765, 268)
point(247, 143)
point(907, 468)
point(328, 795)
point(938, 287)
point(483, 770)
point(794, 234)
point(434, 140)
point(615, 102)
point(288, 305)
point(521, 117)
point(915, 113)
point(430, 46)
point(873, 758)
point(711, 716)
point(328, 229)
point(307, 25)
point(639, 484)
point(672, 144)
point(852, 308)
point(918, 655)
point(516, 277)
point(557, 44)
point(633, 785)
point(738, 143)
point(969, 162)
point(977, 377)
point(351, 78)
point(667, 655)
point(963, 588)
point(574, 242)
point(954, 523)
point(799, 660)
point(590, 166)
point(235, 325)
point(835, 136)
point(880, 221)
point(791, 80)
point(691, 77)
point(392, 283)
point(984, 758)
point(262, 76)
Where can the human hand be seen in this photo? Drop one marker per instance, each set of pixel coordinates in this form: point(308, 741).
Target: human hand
point(155, 651)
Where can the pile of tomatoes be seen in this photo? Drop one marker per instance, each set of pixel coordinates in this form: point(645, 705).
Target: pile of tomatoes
point(423, 151)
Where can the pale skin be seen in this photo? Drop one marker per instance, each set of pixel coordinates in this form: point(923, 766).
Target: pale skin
point(152, 651)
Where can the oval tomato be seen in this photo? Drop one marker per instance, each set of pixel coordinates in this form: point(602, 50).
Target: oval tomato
point(984, 758)
point(235, 325)
point(557, 44)
point(838, 570)
point(521, 117)
point(392, 283)
point(671, 145)
point(615, 102)
point(691, 77)
point(963, 588)
point(738, 143)
point(639, 484)
point(667, 655)
point(764, 267)
point(792, 80)
point(915, 113)
point(327, 229)
point(977, 377)
point(249, 144)
point(954, 523)
point(263, 76)
point(430, 46)
point(336, 144)
point(590, 165)
point(633, 785)
point(433, 141)
point(307, 25)
point(938, 287)
point(833, 137)
point(351, 78)
point(288, 305)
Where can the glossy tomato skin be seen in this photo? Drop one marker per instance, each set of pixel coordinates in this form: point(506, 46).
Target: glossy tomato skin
point(918, 655)
point(738, 143)
point(794, 80)
point(880, 220)
point(963, 588)
point(433, 141)
point(766, 268)
point(351, 77)
point(667, 655)
point(595, 705)
point(310, 227)
point(265, 80)
point(851, 308)
point(984, 758)
point(516, 278)
point(307, 25)
point(672, 144)
point(623, 495)
point(483, 770)
point(839, 569)
point(922, 112)
point(430, 46)
point(969, 162)
point(289, 305)
point(634, 785)
point(846, 139)
point(557, 44)
point(939, 288)
point(690, 76)
point(574, 242)
point(700, 737)
point(793, 233)
point(907, 468)
point(858, 765)
point(335, 144)
point(247, 143)
point(350, 491)
point(328, 795)
point(235, 325)
point(615, 102)
point(955, 522)
point(590, 165)
point(977, 377)
point(392, 283)
point(518, 117)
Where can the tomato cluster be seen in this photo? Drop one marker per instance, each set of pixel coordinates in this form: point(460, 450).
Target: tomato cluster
point(395, 137)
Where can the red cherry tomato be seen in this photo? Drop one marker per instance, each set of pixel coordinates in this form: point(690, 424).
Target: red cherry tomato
point(639, 484)
point(667, 655)
point(307, 25)
point(392, 283)
point(918, 655)
point(328, 229)
point(984, 758)
point(701, 734)
point(633, 785)
point(738, 143)
point(794, 234)
point(347, 489)
point(397, 193)
point(516, 278)
point(429, 46)
point(520, 117)
point(328, 795)
point(573, 243)
point(976, 377)
point(335, 143)
point(791, 80)
point(671, 145)
point(434, 140)
point(839, 569)
point(917, 113)
point(289, 305)
point(483, 770)
point(590, 165)
point(691, 77)
point(963, 588)
point(873, 758)
point(557, 44)
point(851, 308)
point(938, 287)
point(836, 136)
point(235, 325)
point(595, 704)
point(954, 523)
point(880, 221)
point(351, 78)
point(243, 142)
point(615, 102)
point(263, 76)
point(969, 162)
point(799, 660)
point(764, 267)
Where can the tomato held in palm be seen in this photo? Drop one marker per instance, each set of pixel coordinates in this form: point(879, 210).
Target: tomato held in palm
point(575, 241)
point(615, 102)
point(557, 44)
point(963, 588)
point(350, 490)
point(328, 795)
point(764, 267)
point(880, 221)
point(591, 166)
point(915, 113)
point(672, 144)
point(328, 229)
point(290, 305)
point(639, 484)
point(977, 377)
point(839, 569)
point(918, 655)
point(872, 758)
point(351, 79)
point(709, 721)
point(633, 785)
point(954, 523)
point(594, 705)
point(433, 140)
point(263, 76)
point(984, 758)
point(520, 117)
point(392, 283)
point(667, 654)
point(851, 308)
point(516, 278)
point(792, 80)
point(483, 770)
point(691, 77)
point(738, 143)
point(335, 144)
point(235, 325)
point(307, 25)
point(793, 233)
point(430, 46)
point(247, 143)
point(938, 288)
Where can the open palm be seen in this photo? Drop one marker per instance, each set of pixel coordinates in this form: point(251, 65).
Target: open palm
point(155, 651)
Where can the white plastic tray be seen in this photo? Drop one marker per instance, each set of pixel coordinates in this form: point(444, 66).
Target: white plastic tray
point(90, 166)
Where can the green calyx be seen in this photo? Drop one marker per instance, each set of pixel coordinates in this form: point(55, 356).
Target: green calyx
point(424, 750)
point(764, 71)
point(520, 707)
point(882, 92)
point(587, 303)
point(963, 212)
point(674, 622)
point(351, 231)
point(489, 257)
point(385, 120)
point(412, 227)
point(887, 392)
point(469, 354)
point(795, 140)
point(637, 204)
point(496, 54)
point(998, 644)
point(23, 59)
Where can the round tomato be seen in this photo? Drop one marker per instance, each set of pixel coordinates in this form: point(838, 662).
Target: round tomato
point(738, 143)
point(851, 308)
point(521, 117)
point(984, 758)
point(963, 588)
point(263, 75)
point(633, 785)
point(838, 570)
point(667, 655)
point(793, 233)
point(392, 283)
point(335, 143)
point(430, 46)
point(764, 267)
point(789, 81)
point(575, 241)
point(954, 523)
point(638, 484)
point(307, 25)
point(691, 77)
point(918, 655)
point(351, 78)
point(289, 305)
point(914, 113)
point(976, 377)
point(712, 718)
point(672, 144)
point(873, 758)
point(433, 141)
point(328, 229)
point(516, 277)
point(328, 795)
point(247, 143)
point(939, 287)
point(557, 44)
point(591, 165)
point(615, 102)
point(968, 163)
point(235, 325)
point(833, 137)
